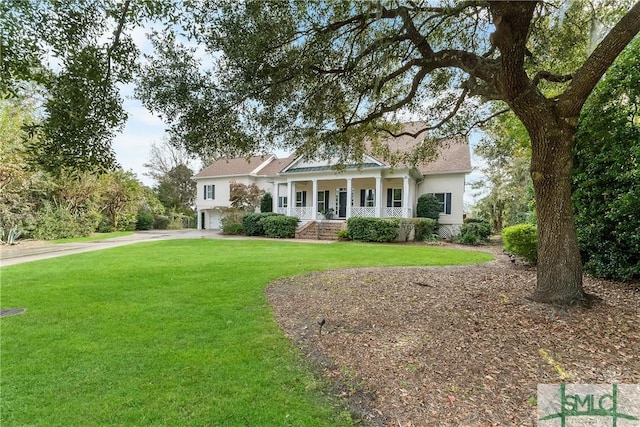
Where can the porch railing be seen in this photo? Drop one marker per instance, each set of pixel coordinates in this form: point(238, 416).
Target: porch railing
point(303, 212)
point(368, 212)
point(393, 212)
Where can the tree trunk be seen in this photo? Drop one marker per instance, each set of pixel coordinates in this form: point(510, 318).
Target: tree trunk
point(559, 269)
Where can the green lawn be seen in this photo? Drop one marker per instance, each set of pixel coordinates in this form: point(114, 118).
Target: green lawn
point(170, 333)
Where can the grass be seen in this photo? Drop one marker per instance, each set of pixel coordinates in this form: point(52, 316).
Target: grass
point(94, 237)
point(170, 333)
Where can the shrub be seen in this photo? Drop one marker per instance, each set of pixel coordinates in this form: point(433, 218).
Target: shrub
point(251, 223)
point(428, 207)
point(373, 229)
point(468, 239)
point(343, 235)
point(424, 229)
point(144, 220)
point(161, 222)
point(58, 223)
point(231, 228)
point(521, 240)
point(474, 231)
point(280, 226)
point(231, 222)
point(266, 204)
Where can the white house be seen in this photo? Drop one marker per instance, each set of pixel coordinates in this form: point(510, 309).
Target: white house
point(307, 189)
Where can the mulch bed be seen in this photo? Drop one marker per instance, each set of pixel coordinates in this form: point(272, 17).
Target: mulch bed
point(455, 345)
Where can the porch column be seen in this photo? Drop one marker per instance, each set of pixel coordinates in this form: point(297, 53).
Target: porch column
point(314, 214)
point(379, 196)
point(289, 199)
point(276, 195)
point(349, 201)
point(198, 220)
point(405, 197)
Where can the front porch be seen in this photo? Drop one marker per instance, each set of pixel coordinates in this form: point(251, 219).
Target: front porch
point(317, 199)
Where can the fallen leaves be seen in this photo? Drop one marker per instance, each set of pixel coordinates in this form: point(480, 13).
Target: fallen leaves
point(455, 345)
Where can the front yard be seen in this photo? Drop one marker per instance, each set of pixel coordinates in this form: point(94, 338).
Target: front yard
point(171, 333)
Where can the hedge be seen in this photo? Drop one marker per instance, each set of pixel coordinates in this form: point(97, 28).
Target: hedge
point(280, 226)
point(252, 223)
point(373, 229)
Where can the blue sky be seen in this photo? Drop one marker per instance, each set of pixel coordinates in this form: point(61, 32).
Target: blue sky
point(133, 145)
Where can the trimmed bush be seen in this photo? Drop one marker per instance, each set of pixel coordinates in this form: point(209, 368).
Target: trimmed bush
point(521, 240)
point(373, 229)
point(280, 226)
point(428, 207)
point(251, 223)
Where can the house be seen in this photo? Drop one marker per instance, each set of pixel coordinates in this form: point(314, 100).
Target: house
point(308, 189)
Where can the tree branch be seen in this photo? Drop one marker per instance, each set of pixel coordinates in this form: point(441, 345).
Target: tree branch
point(587, 76)
point(116, 39)
point(554, 78)
point(452, 113)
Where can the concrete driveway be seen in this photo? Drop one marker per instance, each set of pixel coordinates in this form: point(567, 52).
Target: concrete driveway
point(18, 254)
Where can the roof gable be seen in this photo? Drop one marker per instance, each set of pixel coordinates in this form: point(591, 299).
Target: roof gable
point(301, 164)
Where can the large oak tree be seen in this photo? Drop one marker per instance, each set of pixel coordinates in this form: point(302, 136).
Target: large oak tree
point(325, 77)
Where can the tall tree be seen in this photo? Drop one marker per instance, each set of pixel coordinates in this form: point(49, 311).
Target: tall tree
point(329, 75)
point(78, 53)
point(164, 157)
point(177, 189)
point(20, 187)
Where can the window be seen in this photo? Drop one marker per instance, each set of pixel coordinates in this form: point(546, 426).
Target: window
point(368, 197)
point(282, 201)
point(301, 199)
point(209, 192)
point(394, 197)
point(323, 201)
point(445, 202)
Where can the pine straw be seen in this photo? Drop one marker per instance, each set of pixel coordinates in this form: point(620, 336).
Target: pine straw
point(456, 345)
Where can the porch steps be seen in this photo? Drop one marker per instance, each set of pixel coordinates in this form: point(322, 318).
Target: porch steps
point(320, 230)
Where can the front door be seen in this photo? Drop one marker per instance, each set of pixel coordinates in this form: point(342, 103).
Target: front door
point(342, 204)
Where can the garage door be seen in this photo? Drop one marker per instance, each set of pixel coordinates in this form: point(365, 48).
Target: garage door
point(214, 220)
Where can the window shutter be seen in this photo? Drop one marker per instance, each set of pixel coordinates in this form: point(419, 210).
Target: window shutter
point(448, 203)
point(389, 197)
point(205, 192)
point(362, 197)
point(213, 191)
point(304, 199)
